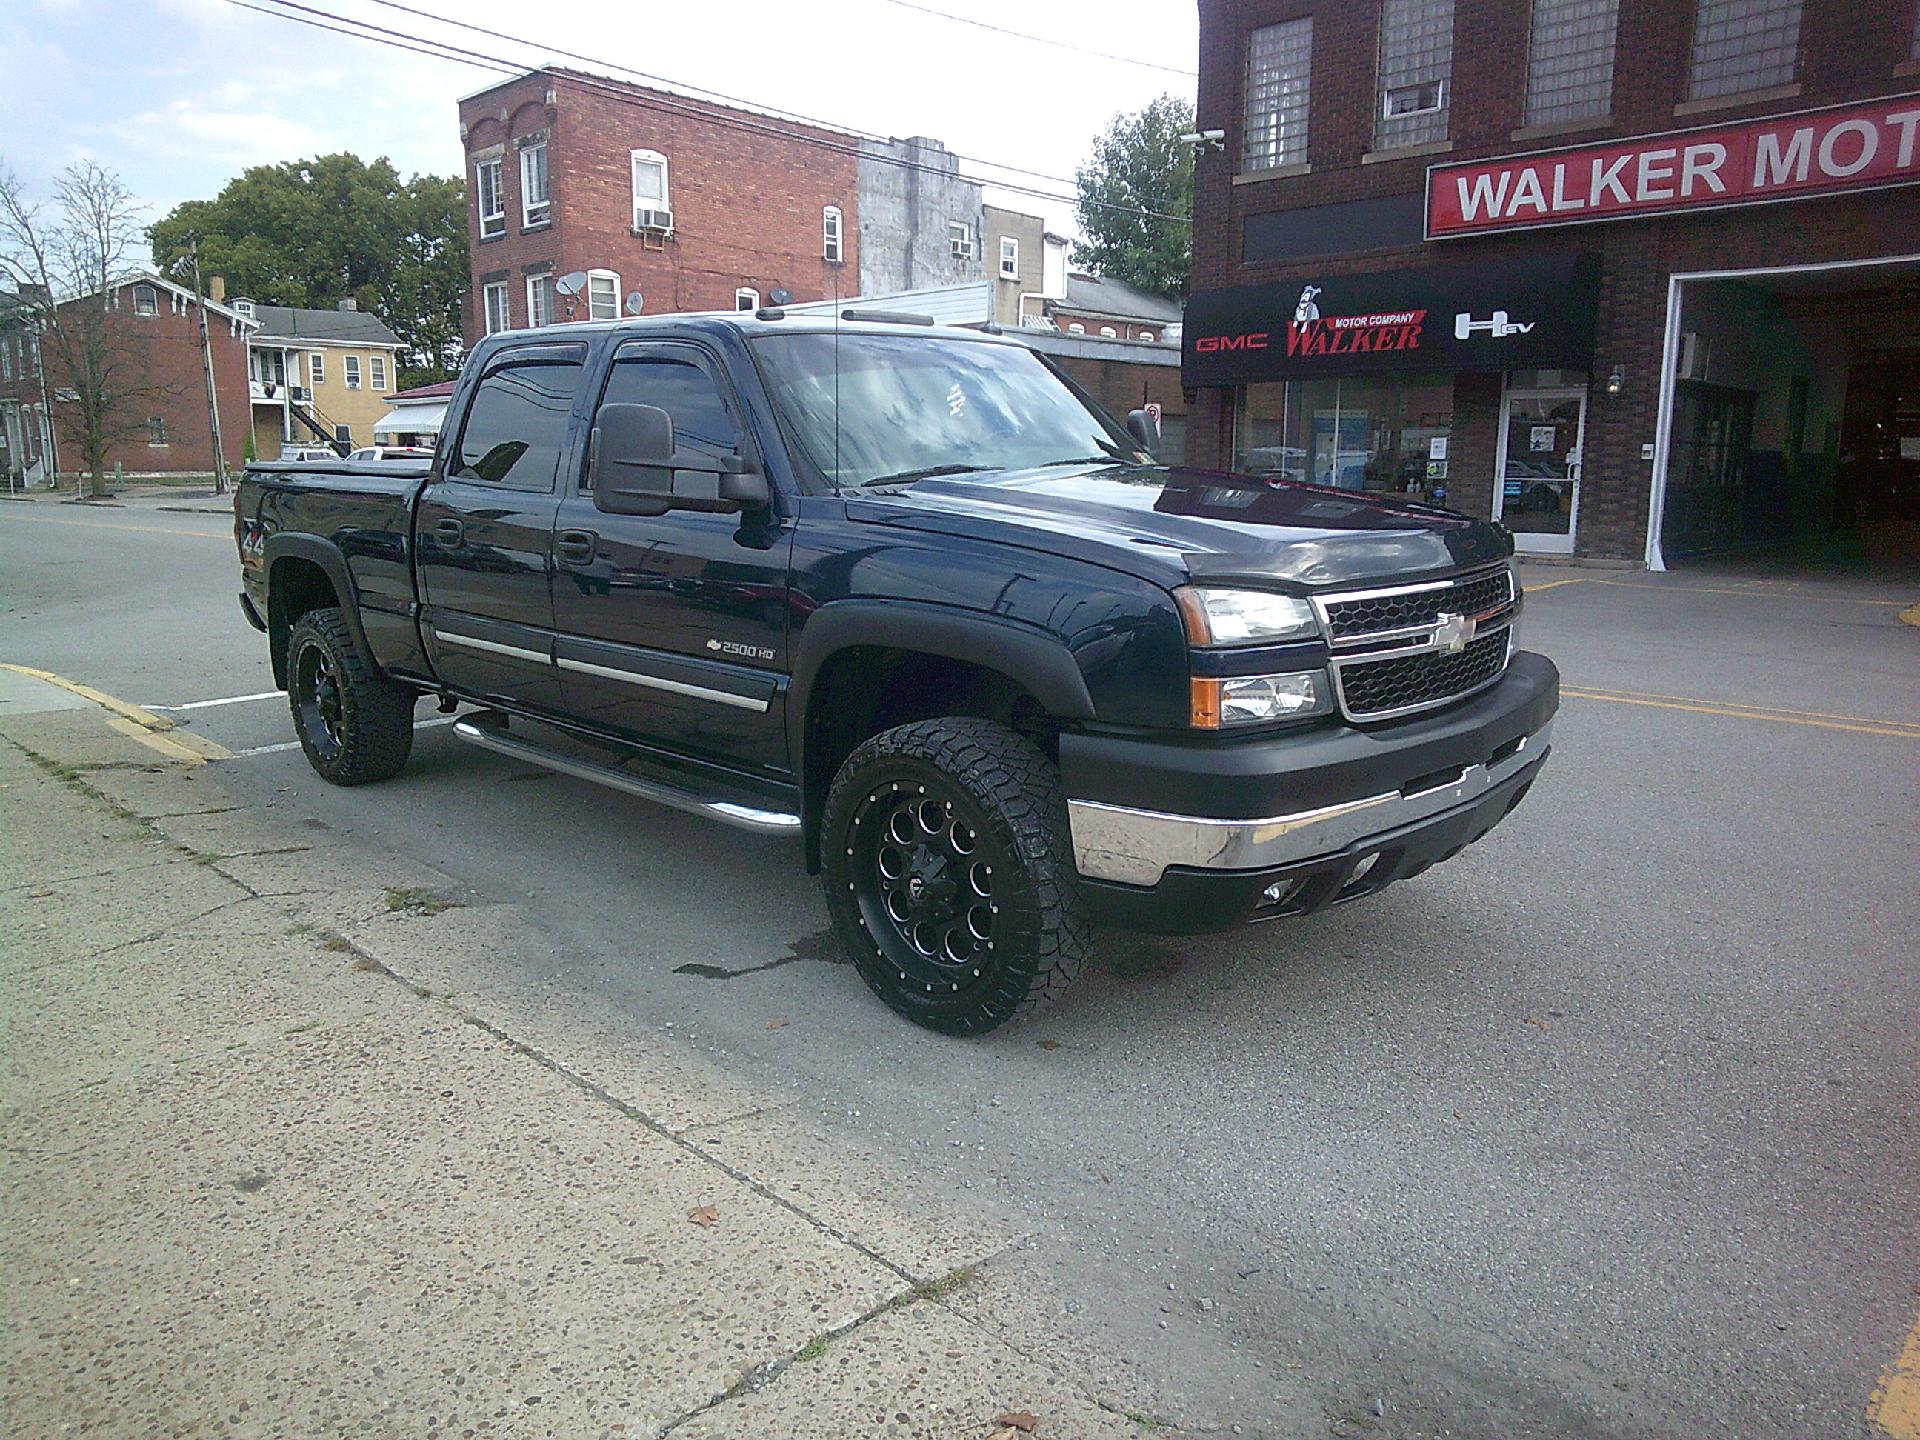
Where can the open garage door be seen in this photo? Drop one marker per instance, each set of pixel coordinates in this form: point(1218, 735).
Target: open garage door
point(1792, 417)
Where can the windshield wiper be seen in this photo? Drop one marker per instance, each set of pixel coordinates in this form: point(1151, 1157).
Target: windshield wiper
point(926, 472)
point(1078, 460)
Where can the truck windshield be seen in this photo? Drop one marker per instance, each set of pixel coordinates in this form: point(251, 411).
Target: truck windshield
point(908, 407)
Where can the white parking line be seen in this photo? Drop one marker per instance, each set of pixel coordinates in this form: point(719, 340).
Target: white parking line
point(295, 744)
point(229, 700)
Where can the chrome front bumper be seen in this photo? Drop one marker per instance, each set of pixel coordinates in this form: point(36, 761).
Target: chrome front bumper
point(1135, 847)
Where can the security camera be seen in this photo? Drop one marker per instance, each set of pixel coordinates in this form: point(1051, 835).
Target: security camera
point(1203, 139)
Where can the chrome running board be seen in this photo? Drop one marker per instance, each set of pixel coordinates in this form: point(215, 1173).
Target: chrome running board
point(488, 730)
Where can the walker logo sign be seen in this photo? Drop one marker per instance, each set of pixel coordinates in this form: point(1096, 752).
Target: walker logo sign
point(1787, 157)
point(1512, 315)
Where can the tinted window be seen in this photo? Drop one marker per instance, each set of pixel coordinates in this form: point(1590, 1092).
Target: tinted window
point(702, 423)
point(517, 425)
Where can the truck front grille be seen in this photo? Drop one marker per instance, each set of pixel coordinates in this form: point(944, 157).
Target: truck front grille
point(1410, 648)
point(1379, 689)
point(1351, 619)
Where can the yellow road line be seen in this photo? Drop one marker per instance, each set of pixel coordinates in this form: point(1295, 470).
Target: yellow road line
point(1895, 1407)
point(141, 529)
point(1743, 705)
point(1748, 593)
point(130, 720)
point(1554, 584)
point(1898, 729)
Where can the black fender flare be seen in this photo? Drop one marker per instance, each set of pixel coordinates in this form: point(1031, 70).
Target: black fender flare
point(331, 559)
point(1032, 658)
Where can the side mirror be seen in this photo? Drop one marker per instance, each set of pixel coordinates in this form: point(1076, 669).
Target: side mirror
point(630, 460)
point(1140, 425)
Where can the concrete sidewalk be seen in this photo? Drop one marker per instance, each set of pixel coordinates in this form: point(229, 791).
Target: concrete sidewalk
point(290, 1151)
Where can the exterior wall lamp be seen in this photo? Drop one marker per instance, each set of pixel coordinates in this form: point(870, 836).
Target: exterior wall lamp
point(1617, 381)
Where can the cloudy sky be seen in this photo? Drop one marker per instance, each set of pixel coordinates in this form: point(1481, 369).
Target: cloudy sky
point(180, 95)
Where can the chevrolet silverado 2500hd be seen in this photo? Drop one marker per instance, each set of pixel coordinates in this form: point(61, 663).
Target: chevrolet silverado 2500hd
point(906, 594)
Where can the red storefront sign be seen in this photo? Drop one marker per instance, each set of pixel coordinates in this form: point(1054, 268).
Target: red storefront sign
point(1783, 157)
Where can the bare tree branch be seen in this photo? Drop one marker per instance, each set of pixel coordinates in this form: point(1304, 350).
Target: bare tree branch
point(64, 263)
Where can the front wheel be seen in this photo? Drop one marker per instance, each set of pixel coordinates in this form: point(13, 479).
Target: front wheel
point(947, 873)
point(355, 725)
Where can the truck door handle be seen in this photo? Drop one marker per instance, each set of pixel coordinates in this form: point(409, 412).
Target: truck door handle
point(450, 532)
point(577, 547)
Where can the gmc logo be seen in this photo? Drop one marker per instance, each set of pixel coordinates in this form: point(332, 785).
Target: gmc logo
point(1212, 344)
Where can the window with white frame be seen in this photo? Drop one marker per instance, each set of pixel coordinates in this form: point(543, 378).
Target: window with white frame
point(1741, 45)
point(316, 368)
point(377, 365)
point(1009, 257)
point(146, 300)
point(652, 202)
point(1076, 328)
point(535, 201)
point(832, 244)
point(1570, 60)
point(351, 366)
point(1107, 332)
point(1148, 336)
point(6, 358)
point(603, 295)
point(493, 300)
point(746, 298)
point(960, 239)
point(157, 430)
point(1279, 66)
point(1416, 64)
point(539, 300)
point(488, 198)
point(243, 307)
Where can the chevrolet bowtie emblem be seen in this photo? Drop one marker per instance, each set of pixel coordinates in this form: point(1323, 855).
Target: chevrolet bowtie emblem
point(1453, 632)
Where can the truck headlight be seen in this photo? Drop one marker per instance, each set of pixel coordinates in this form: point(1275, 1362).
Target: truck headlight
point(1257, 699)
point(1242, 617)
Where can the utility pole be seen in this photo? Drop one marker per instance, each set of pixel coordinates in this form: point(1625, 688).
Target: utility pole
point(206, 364)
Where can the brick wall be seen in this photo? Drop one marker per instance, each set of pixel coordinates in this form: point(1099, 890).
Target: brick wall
point(156, 361)
point(1854, 51)
point(747, 192)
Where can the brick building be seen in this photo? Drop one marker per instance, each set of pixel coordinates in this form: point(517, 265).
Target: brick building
point(151, 344)
point(1662, 307)
point(697, 206)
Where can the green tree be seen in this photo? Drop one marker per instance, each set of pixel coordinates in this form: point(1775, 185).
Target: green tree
point(1139, 165)
point(315, 232)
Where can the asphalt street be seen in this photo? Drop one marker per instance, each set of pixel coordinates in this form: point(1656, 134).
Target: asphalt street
point(1606, 1127)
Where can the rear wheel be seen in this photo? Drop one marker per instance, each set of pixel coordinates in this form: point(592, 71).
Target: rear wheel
point(947, 872)
point(355, 725)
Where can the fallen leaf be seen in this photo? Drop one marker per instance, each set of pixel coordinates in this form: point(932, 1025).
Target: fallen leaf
point(776, 1024)
point(1018, 1419)
point(1048, 1044)
point(38, 894)
point(705, 1216)
point(1005, 1432)
point(1541, 1025)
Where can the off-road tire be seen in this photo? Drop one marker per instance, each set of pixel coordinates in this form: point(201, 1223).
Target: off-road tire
point(996, 787)
point(355, 726)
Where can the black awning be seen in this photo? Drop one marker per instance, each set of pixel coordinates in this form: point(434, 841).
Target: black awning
point(1487, 316)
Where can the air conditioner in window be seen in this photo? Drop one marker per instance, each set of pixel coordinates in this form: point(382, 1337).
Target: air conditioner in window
point(962, 249)
point(299, 394)
point(1695, 351)
point(661, 220)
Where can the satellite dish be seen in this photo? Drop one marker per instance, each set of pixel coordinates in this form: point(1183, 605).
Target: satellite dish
point(634, 302)
point(781, 297)
point(570, 284)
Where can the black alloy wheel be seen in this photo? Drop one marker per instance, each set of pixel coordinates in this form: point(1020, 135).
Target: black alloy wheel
point(355, 724)
point(947, 867)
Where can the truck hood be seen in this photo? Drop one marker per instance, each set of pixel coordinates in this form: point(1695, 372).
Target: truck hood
point(1206, 524)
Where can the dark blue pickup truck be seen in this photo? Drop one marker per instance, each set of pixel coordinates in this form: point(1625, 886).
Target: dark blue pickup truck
point(908, 595)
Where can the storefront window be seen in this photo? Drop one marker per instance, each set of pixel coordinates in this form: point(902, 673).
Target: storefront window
point(1387, 435)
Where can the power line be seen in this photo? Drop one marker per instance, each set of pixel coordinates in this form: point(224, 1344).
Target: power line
point(665, 104)
point(696, 91)
point(1043, 40)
